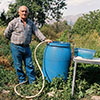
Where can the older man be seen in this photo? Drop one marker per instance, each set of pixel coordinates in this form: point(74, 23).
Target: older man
point(20, 31)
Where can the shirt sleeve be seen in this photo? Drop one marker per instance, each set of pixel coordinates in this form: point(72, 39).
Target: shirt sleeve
point(38, 33)
point(8, 31)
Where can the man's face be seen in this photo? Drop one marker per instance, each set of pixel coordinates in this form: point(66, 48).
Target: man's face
point(23, 13)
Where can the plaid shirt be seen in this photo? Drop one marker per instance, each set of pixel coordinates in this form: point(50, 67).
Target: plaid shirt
point(20, 34)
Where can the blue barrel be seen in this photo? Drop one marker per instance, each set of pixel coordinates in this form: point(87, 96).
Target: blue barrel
point(56, 60)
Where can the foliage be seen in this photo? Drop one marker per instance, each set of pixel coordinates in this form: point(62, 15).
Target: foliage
point(40, 10)
point(7, 77)
point(87, 23)
point(90, 41)
point(56, 6)
point(52, 31)
point(95, 89)
point(87, 78)
point(60, 26)
point(98, 26)
point(5, 53)
point(2, 18)
point(65, 36)
point(12, 12)
point(48, 31)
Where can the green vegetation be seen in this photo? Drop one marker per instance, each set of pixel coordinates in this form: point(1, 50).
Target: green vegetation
point(40, 10)
point(84, 34)
point(87, 84)
point(87, 23)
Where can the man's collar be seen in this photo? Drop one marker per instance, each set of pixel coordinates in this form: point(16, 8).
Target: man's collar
point(22, 21)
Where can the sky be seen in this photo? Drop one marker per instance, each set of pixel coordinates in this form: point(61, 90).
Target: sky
point(81, 6)
point(73, 6)
point(4, 4)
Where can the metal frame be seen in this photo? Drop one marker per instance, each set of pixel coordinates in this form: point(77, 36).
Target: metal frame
point(82, 60)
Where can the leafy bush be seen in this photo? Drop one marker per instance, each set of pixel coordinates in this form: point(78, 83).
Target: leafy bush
point(87, 23)
point(87, 77)
point(48, 31)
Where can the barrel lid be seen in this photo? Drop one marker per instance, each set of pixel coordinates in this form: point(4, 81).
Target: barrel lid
point(59, 44)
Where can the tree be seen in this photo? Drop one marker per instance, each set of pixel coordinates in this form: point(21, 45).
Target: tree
point(2, 18)
point(87, 23)
point(50, 31)
point(56, 7)
point(40, 10)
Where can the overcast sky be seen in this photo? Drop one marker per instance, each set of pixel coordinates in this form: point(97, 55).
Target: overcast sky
point(81, 6)
point(73, 6)
point(4, 4)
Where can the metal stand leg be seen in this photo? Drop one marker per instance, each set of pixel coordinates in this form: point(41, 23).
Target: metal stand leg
point(73, 82)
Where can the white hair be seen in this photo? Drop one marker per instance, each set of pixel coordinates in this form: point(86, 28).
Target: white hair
point(21, 7)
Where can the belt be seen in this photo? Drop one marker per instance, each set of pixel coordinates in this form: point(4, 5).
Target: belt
point(23, 45)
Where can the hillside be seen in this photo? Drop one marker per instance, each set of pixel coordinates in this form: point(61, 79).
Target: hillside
point(71, 19)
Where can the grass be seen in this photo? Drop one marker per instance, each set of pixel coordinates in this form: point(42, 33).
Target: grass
point(87, 77)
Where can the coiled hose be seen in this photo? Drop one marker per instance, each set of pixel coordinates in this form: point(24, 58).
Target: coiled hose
point(43, 84)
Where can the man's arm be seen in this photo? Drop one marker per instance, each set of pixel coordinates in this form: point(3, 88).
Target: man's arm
point(38, 33)
point(8, 31)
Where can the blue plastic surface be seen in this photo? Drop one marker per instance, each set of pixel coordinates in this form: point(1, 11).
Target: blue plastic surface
point(56, 60)
point(84, 53)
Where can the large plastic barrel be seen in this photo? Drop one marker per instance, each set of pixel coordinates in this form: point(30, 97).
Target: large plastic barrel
point(56, 60)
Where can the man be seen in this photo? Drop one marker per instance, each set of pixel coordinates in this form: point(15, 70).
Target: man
point(20, 31)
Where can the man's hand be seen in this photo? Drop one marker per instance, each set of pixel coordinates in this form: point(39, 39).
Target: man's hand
point(48, 40)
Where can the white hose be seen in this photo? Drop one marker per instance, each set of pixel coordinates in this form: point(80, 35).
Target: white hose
point(40, 71)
